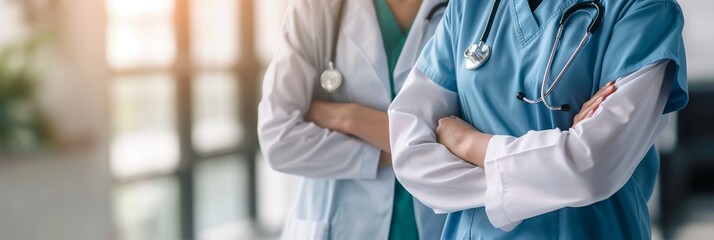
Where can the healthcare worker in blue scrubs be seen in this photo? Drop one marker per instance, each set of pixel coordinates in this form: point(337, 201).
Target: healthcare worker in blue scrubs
point(334, 135)
point(463, 143)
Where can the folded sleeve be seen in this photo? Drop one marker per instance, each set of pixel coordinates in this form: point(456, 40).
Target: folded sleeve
point(289, 143)
point(544, 171)
point(437, 59)
point(649, 31)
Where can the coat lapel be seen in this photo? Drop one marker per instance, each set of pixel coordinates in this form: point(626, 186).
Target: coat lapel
point(362, 29)
point(420, 32)
point(364, 32)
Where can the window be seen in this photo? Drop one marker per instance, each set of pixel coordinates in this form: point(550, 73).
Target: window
point(145, 139)
point(183, 148)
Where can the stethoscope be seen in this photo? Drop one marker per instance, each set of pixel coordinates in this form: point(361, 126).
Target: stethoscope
point(331, 78)
point(477, 54)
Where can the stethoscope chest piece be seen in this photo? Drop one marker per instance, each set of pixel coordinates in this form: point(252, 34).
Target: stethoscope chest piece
point(476, 55)
point(331, 79)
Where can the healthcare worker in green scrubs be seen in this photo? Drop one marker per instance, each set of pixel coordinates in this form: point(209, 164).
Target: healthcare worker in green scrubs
point(336, 138)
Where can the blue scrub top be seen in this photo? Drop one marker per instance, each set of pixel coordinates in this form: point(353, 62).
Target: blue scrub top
point(633, 34)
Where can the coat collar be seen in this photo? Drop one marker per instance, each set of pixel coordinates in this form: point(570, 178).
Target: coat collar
point(418, 36)
point(363, 30)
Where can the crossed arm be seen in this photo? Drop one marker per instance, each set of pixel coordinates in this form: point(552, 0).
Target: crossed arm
point(471, 145)
point(372, 126)
point(450, 166)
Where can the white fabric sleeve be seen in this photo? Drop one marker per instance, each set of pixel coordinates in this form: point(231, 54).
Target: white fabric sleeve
point(427, 169)
point(290, 144)
point(543, 171)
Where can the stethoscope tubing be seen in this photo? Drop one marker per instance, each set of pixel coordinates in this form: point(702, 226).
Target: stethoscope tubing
point(545, 93)
point(491, 18)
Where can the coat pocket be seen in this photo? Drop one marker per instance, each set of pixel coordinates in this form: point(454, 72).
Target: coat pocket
point(298, 229)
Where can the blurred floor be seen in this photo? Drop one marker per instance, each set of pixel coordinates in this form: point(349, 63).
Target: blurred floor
point(699, 219)
point(49, 197)
point(698, 222)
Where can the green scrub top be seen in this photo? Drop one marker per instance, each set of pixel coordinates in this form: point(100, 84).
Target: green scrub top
point(403, 224)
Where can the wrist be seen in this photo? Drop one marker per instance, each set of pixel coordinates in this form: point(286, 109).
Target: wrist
point(474, 147)
point(347, 122)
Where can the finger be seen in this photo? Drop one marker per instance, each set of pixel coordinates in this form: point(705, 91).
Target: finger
point(606, 93)
point(588, 107)
point(609, 91)
point(590, 114)
point(605, 90)
point(592, 108)
point(442, 121)
point(603, 93)
point(577, 119)
point(599, 92)
point(586, 113)
point(596, 106)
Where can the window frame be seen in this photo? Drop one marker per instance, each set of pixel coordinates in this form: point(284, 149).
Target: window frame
point(247, 69)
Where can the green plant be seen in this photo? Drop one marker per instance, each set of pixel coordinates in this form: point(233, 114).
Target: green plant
point(22, 126)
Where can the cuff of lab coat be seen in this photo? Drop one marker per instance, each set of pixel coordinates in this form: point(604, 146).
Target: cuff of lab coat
point(370, 163)
point(495, 201)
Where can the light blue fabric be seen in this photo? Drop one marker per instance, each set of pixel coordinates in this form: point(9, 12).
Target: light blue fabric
point(633, 34)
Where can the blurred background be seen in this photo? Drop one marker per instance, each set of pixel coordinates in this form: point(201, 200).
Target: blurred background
point(135, 119)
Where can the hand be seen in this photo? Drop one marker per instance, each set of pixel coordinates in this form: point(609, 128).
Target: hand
point(367, 124)
point(334, 116)
point(451, 130)
point(591, 105)
point(462, 139)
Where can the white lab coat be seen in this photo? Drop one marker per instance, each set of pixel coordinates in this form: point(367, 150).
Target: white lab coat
point(343, 193)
